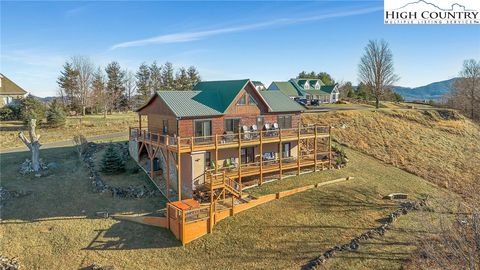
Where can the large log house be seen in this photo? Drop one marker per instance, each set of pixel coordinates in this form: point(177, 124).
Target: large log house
point(224, 132)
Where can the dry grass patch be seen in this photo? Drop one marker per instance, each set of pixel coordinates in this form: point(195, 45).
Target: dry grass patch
point(90, 125)
point(445, 152)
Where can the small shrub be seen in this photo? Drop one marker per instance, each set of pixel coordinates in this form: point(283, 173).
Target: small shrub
point(10, 112)
point(341, 102)
point(32, 108)
point(340, 157)
point(112, 161)
point(56, 115)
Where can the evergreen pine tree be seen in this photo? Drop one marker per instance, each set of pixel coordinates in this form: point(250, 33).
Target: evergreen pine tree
point(56, 115)
point(193, 77)
point(168, 81)
point(182, 81)
point(115, 87)
point(32, 108)
point(112, 161)
point(143, 82)
point(155, 83)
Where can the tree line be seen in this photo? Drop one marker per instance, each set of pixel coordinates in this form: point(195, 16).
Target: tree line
point(84, 88)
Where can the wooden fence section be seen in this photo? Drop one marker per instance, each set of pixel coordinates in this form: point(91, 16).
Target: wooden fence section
point(190, 224)
point(188, 229)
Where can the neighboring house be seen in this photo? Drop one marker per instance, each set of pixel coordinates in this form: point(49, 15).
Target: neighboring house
point(224, 129)
point(259, 85)
point(9, 91)
point(307, 89)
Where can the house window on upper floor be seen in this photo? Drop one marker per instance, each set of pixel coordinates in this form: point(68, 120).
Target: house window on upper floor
point(165, 126)
point(306, 86)
point(203, 128)
point(242, 100)
point(232, 125)
point(260, 122)
point(317, 86)
point(285, 121)
point(251, 100)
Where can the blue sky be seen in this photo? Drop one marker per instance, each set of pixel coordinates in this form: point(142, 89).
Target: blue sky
point(225, 40)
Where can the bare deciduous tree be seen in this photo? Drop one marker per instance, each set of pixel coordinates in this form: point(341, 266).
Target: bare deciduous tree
point(33, 144)
point(376, 68)
point(465, 95)
point(130, 88)
point(84, 66)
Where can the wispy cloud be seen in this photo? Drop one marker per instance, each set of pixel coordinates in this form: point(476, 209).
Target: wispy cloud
point(192, 36)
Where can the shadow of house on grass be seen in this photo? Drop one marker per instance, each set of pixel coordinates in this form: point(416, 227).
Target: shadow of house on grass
point(66, 193)
point(127, 235)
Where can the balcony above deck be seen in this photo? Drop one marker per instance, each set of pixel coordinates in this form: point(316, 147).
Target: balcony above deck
point(229, 140)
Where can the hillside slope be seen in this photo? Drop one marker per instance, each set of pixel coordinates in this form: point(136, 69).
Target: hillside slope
point(445, 152)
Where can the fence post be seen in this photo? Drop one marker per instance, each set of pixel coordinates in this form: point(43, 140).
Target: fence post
point(315, 150)
point(330, 146)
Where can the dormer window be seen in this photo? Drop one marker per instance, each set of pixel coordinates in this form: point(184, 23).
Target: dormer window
point(306, 85)
point(317, 86)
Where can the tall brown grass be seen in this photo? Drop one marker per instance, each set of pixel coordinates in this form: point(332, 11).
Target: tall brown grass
point(442, 148)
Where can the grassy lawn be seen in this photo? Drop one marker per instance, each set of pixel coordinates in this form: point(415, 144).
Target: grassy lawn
point(56, 227)
point(90, 125)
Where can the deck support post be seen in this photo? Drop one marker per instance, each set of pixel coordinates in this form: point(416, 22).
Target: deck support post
point(216, 153)
point(210, 220)
point(240, 159)
point(298, 150)
point(140, 122)
point(280, 150)
point(330, 147)
point(315, 150)
point(179, 170)
point(168, 168)
point(261, 157)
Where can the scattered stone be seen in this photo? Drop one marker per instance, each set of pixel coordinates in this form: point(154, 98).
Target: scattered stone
point(396, 196)
point(6, 195)
point(26, 167)
point(9, 263)
point(102, 214)
point(99, 186)
point(98, 267)
point(355, 243)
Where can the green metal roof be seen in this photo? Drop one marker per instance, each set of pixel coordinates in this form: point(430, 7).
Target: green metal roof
point(279, 102)
point(218, 95)
point(186, 103)
point(287, 88)
point(317, 92)
point(328, 88)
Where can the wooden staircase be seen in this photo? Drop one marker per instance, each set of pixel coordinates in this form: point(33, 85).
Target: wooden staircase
point(221, 182)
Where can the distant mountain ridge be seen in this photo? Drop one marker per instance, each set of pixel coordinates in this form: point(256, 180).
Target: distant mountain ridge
point(433, 91)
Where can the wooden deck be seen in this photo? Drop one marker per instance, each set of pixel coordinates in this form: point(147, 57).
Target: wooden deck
point(224, 141)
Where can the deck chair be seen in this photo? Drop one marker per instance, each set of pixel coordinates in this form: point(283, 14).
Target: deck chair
point(254, 131)
point(246, 133)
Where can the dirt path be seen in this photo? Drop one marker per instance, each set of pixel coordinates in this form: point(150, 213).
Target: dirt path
point(68, 142)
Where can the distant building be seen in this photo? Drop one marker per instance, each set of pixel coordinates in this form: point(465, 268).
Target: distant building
point(259, 85)
point(308, 89)
point(9, 91)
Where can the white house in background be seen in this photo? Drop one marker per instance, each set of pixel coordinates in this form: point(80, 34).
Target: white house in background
point(9, 91)
point(308, 89)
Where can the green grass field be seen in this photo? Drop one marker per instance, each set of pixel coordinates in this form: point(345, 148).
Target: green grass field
point(56, 227)
point(89, 125)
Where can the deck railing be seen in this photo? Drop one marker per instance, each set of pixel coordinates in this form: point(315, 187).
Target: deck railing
point(227, 139)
